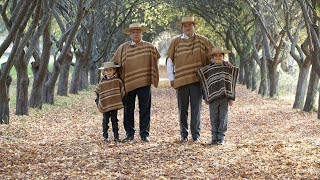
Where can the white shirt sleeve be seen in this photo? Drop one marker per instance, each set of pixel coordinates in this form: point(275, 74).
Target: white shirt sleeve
point(170, 69)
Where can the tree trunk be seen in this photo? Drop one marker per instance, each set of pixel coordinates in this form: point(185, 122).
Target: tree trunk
point(84, 82)
point(274, 78)
point(263, 88)
point(4, 104)
point(312, 91)
point(248, 76)
point(36, 96)
point(94, 73)
point(63, 83)
point(22, 106)
point(241, 72)
point(302, 85)
point(253, 77)
point(4, 99)
point(76, 75)
point(48, 96)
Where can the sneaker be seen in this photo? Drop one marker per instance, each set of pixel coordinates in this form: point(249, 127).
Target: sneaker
point(220, 142)
point(145, 139)
point(128, 138)
point(196, 140)
point(214, 142)
point(183, 139)
point(105, 139)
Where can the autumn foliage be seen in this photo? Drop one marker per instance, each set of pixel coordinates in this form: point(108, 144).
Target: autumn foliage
point(266, 139)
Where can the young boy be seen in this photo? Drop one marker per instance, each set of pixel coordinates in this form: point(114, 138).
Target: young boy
point(110, 93)
point(218, 84)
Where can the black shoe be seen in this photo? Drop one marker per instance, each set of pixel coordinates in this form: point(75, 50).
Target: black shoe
point(116, 137)
point(183, 139)
point(220, 142)
point(128, 138)
point(105, 139)
point(145, 139)
point(214, 142)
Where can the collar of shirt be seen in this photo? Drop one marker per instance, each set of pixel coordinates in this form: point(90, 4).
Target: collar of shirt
point(213, 63)
point(133, 43)
point(107, 77)
point(184, 36)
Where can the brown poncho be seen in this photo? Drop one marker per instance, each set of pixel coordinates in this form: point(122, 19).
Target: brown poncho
point(139, 65)
point(111, 93)
point(217, 81)
point(188, 55)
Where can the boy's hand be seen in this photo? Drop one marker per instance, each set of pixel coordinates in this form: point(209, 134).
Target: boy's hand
point(231, 102)
point(227, 63)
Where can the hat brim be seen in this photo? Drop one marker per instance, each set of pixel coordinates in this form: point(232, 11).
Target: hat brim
point(219, 52)
point(180, 23)
point(127, 30)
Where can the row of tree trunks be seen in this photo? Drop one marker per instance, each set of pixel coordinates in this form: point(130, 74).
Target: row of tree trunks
point(311, 19)
point(53, 77)
point(15, 26)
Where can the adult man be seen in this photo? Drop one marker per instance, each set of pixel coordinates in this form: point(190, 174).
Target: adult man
point(186, 54)
point(139, 70)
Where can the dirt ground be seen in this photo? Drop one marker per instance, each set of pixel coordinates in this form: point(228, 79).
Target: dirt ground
point(266, 139)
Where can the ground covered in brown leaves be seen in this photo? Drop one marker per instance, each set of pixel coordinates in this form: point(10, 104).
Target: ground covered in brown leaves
point(266, 139)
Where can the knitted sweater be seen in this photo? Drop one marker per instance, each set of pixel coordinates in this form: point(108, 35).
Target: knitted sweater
point(139, 65)
point(110, 93)
point(188, 55)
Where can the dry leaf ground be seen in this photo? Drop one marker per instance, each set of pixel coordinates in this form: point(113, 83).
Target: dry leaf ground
point(266, 139)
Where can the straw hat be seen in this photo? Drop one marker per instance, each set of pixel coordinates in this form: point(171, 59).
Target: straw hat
point(135, 26)
point(186, 20)
point(107, 65)
point(218, 50)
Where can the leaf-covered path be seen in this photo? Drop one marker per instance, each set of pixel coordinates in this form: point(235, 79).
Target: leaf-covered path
point(265, 139)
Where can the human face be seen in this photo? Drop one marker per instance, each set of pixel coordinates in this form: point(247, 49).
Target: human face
point(136, 35)
point(109, 72)
point(188, 29)
point(218, 58)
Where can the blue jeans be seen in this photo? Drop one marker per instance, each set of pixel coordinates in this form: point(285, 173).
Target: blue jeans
point(185, 94)
point(219, 117)
point(144, 97)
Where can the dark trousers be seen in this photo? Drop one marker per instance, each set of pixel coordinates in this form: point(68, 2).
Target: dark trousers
point(219, 117)
point(144, 97)
point(114, 120)
point(189, 94)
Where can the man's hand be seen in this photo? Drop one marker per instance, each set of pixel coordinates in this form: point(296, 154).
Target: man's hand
point(171, 83)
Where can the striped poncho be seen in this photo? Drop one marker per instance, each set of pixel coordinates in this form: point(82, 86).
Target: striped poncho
point(218, 80)
point(188, 55)
point(139, 65)
point(110, 94)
